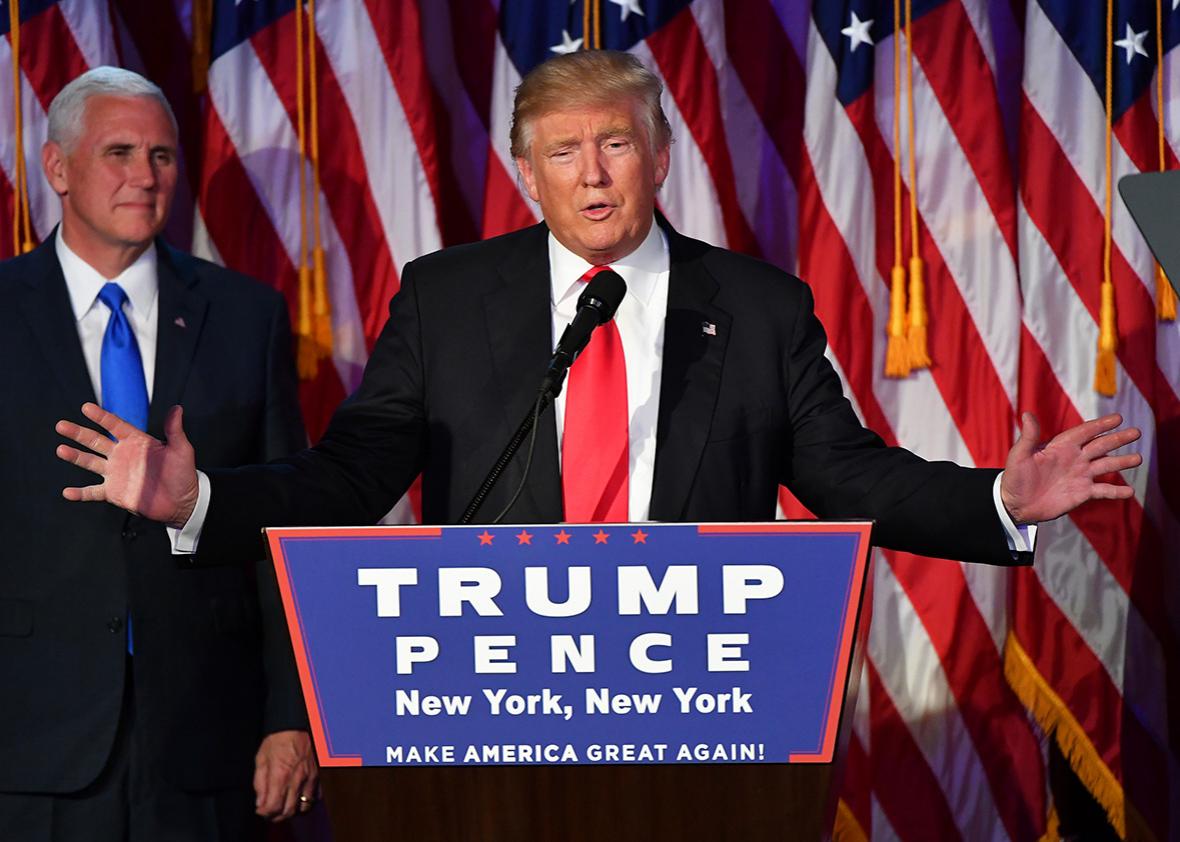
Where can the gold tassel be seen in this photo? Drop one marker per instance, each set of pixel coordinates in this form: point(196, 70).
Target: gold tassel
point(1055, 719)
point(919, 319)
point(202, 44)
point(1108, 337)
point(18, 147)
point(1108, 344)
point(308, 356)
point(847, 828)
point(1165, 296)
point(22, 228)
point(1052, 827)
point(322, 311)
point(897, 358)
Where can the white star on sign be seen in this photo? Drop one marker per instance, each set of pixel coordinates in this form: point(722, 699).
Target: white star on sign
point(857, 32)
point(567, 45)
point(1132, 42)
point(626, 7)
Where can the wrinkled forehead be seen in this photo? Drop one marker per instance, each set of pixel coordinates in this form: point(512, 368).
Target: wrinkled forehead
point(588, 119)
point(140, 117)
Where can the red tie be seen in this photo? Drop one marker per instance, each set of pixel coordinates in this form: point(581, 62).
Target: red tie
point(594, 442)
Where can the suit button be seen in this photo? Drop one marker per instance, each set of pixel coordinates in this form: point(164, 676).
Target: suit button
point(130, 534)
point(115, 625)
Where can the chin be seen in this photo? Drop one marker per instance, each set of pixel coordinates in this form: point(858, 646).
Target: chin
point(140, 234)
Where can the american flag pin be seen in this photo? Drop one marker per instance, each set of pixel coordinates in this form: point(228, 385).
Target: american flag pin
point(179, 321)
point(708, 329)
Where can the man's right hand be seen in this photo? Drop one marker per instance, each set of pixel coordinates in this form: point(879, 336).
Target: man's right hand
point(156, 480)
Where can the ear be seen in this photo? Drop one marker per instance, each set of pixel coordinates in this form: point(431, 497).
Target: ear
point(525, 168)
point(53, 162)
point(663, 161)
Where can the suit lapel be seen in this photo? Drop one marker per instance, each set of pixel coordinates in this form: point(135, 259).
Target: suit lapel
point(519, 331)
point(180, 318)
point(46, 307)
point(691, 377)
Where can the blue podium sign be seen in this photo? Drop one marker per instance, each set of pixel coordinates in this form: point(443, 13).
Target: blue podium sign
point(568, 644)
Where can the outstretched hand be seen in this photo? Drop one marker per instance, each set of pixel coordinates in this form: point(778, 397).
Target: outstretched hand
point(1044, 482)
point(154, 479)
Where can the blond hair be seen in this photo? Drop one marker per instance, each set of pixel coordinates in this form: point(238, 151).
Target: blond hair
point(587, 77)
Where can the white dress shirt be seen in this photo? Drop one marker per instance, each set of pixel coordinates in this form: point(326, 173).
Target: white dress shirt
point(640, 320)
point(142, 285)
point(139, 281)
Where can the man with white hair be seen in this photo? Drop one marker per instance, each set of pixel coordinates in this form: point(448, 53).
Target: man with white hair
point(139, 699)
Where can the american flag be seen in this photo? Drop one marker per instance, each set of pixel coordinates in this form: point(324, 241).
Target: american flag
point(784, 115)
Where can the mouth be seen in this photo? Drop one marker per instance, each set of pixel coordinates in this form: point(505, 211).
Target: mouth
point(597, 211)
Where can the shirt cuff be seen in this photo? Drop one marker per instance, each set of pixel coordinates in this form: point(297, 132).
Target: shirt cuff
point(1022, 538)
point(184, 540)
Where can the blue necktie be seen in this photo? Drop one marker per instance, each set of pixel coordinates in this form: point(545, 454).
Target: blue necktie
point(124, 389)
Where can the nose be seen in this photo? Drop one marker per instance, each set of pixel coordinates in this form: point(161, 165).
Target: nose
point(594, 172)
point(143, 172)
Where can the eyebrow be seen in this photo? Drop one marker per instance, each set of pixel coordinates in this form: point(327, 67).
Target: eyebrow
point(611, 131)
point(124, 144)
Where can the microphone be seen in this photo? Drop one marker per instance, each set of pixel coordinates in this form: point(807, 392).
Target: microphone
point(596, 306)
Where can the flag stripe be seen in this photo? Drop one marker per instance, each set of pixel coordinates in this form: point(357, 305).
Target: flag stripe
point(344, 177)
point(1010, 755)
point(966, 380)
point(506, 207)
point(771, 76)
point(44, 208)
point(960, 75)
point(463, 141)
point(48, 71)
point(692, 81)
point(901, 776)
point(398, 30)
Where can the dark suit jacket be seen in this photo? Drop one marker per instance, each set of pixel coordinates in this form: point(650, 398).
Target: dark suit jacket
point(209, 676)
point(458, 364)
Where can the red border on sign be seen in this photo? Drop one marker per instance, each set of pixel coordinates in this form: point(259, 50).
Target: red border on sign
point(862, 531)
point(311, 695)
point(826, 750)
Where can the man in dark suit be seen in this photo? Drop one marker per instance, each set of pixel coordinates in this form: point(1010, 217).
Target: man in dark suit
point(727, 390)
point(139, 699)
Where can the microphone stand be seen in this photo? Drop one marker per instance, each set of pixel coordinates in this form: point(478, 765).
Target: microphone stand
point(596, 305)
point(528, 425)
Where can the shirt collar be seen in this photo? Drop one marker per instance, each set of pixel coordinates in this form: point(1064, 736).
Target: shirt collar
point(641, 269)
point(83, 281)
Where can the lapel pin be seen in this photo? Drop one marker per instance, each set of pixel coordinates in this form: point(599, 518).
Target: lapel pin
point(179, 322)
point(708, 329)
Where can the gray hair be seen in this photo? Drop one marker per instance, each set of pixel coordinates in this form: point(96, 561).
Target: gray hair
point(69, 106)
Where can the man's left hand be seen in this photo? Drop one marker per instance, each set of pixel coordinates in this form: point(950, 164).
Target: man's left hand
point(1044, 482)
point(285, 775)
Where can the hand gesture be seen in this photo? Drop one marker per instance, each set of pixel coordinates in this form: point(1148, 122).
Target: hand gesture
point(1042, 483)
point(285, 775)
point(154, 479)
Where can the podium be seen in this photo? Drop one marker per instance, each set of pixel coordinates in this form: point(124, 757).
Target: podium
point(611, 681)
